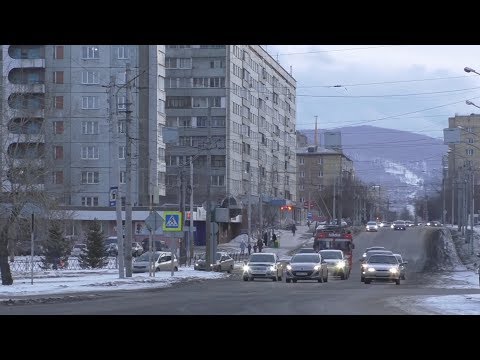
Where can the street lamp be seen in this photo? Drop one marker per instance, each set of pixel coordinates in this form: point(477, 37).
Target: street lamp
point(468, 102)
point(469, 70)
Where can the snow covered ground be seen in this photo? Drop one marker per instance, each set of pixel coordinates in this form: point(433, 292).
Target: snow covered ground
point(466, 304)
point(61, 282)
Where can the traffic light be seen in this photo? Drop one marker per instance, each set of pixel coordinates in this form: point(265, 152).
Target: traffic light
point(286, 208)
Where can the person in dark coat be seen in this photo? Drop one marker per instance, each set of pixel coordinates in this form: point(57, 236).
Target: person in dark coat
point(265, 238)
point(294, 228)
point(274, 239)
point(249, 249)
point(260, 245)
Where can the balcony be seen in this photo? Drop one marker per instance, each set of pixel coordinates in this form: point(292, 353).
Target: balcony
point(26, 63)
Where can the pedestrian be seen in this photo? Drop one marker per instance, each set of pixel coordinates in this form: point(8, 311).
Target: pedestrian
point(274, 239)
point(255, 247)
point(249, 249)
point(260, 245)
point(242, 248)
point(294, 228)
point(308, 223)
point(265, 238)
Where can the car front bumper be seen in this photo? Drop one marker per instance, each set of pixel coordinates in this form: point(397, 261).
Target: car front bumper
point(303, 275)
point(381, 275)
point(337, 271)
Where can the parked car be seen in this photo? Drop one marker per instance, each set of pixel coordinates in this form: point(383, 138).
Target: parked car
point(402, 266)
point(434, 223)
point(137, 249)
point(336, 264)
point(371, 226)
point(382, 267)
point(162, 261)
point(263, 265)
point(306, 267)
point(224, 262)
point(78, 249)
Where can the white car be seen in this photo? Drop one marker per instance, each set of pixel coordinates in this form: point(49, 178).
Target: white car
point(263, 265)
point(371, 226)
point(162, 261)
point(78, 249)
point(336, 263)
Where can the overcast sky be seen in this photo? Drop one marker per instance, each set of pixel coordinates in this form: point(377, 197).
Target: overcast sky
point(317, 68)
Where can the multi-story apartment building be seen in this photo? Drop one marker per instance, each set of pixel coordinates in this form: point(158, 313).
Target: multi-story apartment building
point(248, 100)
point(56, 101)
point(466, 153)
point(319, 168)
point(56, 116)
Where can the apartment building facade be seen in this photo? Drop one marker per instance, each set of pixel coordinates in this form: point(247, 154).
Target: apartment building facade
point(245, 100)
point(56, 107)
point(317, 169)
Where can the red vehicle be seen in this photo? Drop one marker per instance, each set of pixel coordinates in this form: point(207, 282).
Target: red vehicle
point(338, 239)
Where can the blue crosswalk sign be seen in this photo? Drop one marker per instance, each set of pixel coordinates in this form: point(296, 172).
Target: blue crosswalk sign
point(173, 221)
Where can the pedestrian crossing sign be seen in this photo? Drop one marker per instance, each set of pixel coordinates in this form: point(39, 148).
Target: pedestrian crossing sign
point(173, 221)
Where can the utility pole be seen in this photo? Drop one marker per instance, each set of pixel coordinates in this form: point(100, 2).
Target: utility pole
point(115, 146)
point(208, 229)
point(250, 206)
point(334, 199)
point(128, 173)
point(260, 199)
point(472, 200)
point(183, 250)
point(452, 217)
point(190, 236)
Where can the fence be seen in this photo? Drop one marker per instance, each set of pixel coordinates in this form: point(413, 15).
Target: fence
point(25, 265)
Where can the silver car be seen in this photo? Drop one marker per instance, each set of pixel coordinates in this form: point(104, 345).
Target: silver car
point(263, 265)
point(307, 267)
point(371, 226)
point(382, 267)
point(402, 266)
point(162, 261)
point(336, 264)
point(364, 261)
point(223, 262)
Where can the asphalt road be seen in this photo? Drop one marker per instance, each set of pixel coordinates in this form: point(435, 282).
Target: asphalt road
point(233, 296)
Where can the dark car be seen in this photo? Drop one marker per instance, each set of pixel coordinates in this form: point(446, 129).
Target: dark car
point(399, 225)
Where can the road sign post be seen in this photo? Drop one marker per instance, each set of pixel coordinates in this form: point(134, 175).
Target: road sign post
point(153, 222)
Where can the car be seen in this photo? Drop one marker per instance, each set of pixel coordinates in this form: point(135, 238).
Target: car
point(399, 225)
point(306, 250)
point(364, 261)
point(402, 266)
point(364, 255)
point(162, 261)
point(78, 249)
point(382, 267)
point(409, 223)
point(371, 226)
point(263, 265)
point(336, 264)
point(306, 267)
point(434, 223)
point(223, 262)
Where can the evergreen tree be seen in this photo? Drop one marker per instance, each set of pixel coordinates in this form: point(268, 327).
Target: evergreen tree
point(95, 256)
point(56, 247)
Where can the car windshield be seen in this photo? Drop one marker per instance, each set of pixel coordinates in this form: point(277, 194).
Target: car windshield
point(146, 256)
point(331, 254)
point(399, 258)
point(399, 222)
point(371, 223)
point(375, 248)
point(308, 250)
point(306, 258)
point(262, 258)
point(383, 259)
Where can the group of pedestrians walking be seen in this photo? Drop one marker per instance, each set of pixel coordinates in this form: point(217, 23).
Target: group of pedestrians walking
point(257, 245)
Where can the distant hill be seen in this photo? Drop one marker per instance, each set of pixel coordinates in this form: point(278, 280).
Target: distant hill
point(399, 161)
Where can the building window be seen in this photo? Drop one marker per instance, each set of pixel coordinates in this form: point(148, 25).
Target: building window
point(217, 180)
point(89, 102)
point(90, 77)
point(217, 63)
point(58, 152)
point(178, 102)
point(320, 173)
point(58, 127)
point(57, 177)
point(470, 140)
point(469, 152)
point(123, 177)
point(90, 177)
point(58, 102)
point(122, 52)
point(90, 52)
point(89, 127)
point(58, 52)
point(302, 174)
point(58, 77)
point(89, 152)
point(121, 102)
point(320, 161)
point(122, 126)
point(121, 152)
point(178, 63)
point(89, 200)
point(301, 161)
point(218, 121)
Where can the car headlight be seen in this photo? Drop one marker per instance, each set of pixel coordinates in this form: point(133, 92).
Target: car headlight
point(289, 267)
point(272, 268)
point(428, 224)
point(370, 269)
point(393, 270)
point(340, 264)
point(376, 227)
point(196, 264)
point(246, 268)
point(364, 255)
point(364, 266)
point(391, 226)
point(316, 267)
